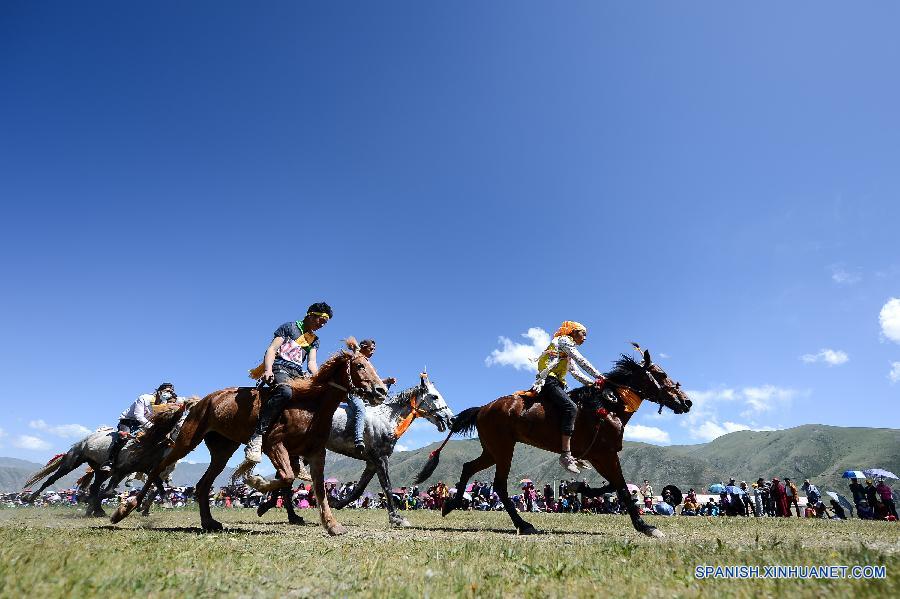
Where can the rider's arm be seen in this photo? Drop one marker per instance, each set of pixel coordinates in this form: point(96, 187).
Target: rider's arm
point(567, 345)
point(137, 411)
point(311, 361)
point(269, 360)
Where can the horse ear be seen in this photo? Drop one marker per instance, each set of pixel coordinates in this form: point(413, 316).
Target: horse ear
point(647, 360)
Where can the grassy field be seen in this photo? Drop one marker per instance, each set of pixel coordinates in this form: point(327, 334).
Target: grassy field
point(53, 552)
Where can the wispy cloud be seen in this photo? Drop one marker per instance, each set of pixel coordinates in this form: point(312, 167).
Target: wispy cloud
point(521, 356)
point(66, 431)
point(894, 374)
point(663, 355)
point(704, 423)
point(832, 357)
point(889, 317)
point(649, 434)
point(401, 447)
point(31, 443)
point(842, 276)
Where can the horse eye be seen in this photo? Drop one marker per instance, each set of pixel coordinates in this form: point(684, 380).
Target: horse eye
point(360, 366)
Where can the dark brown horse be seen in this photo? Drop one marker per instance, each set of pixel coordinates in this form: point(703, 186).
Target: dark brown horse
point(523, 418)
point(225, 419)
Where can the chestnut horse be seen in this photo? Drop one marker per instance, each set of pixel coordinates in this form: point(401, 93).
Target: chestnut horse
point(602, 416)
point(225, 419)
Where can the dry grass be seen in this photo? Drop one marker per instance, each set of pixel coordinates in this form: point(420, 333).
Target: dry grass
point(53, 552)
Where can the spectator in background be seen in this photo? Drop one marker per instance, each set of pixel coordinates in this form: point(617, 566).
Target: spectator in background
point(839, 513)
point(871, 493)
point(548, 494)
point(781, 501)
point(864, 510)
point(793, 497)
point(857, 490)
point(757, 500)
point(812, 492)
point(887, 497)
point(647, 493)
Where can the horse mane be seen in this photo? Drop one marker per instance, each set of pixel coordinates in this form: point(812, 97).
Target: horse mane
point(623, 369)
point(317, 383)
point(163, 422)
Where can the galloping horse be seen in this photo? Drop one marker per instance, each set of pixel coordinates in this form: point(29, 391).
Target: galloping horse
point(385, 424)
point(137, 455)
point(225, 419)
point(522, 418)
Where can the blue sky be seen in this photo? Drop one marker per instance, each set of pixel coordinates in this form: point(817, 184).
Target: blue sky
point(719, 183)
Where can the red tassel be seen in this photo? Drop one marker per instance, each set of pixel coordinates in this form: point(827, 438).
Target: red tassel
point(602, 412)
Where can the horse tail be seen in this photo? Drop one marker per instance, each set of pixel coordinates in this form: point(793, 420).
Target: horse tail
point(84, 483)
point(463, 424)
point(47, 469)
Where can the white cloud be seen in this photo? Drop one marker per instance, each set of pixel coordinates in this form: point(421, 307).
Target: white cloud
point(664, 355)
point(842, 276)
point(66, 431)
point(521, 356)
point(832, 357)
point(894, 375)
point(401, 447)
point(890, 319)
point(711, 429)
point(766, 399)
point(31, 443)
point(650, 434)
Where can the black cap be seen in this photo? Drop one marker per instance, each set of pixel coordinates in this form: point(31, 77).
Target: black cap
point(165, 386)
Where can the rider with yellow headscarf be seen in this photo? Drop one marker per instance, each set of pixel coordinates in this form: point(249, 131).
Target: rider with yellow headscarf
point(560, 358)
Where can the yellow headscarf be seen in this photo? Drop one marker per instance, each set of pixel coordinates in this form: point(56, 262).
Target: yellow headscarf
point(569, 327)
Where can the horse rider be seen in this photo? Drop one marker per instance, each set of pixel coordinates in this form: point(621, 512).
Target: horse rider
point(560, 358)
point(356, 409)
point(135, 417)
point(293, 345)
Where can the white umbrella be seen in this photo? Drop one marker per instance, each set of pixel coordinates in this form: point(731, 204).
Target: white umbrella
point(879, 473)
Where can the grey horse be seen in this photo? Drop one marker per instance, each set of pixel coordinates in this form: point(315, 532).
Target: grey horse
point(137, 455)
point(385, 424)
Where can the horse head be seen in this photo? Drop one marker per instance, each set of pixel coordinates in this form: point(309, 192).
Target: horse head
point(650, 382)
point(431, 404)
point(661, 389)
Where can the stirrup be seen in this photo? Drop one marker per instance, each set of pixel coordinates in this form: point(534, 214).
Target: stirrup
point(583, 465)
point(568, 463)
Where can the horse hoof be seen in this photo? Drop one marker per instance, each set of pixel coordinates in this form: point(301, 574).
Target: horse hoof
point(298, 521)
point(655, 533)
point(400, 523)
point(213, 526)
point(262, 509)
point(123, 510)
point(336, 530)
point(98, 514)
point(528, 530)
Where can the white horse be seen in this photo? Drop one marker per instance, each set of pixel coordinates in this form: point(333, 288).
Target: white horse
point(137, 455)
point(385, 424)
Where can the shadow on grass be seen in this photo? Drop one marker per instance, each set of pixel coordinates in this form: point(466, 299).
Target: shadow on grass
point(188, 529)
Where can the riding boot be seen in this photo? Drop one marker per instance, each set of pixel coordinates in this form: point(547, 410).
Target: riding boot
point(270, 410)
point(114, 449)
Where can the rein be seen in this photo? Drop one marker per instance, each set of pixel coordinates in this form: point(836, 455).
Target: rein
point(416, 411)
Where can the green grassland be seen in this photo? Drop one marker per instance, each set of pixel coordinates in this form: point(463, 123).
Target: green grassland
point(54, 552)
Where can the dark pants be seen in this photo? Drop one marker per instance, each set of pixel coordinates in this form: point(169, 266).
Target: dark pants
point(554, 392)
point(273, 406)
point(125, 426)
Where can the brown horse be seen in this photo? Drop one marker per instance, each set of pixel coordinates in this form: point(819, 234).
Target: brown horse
point(523, 418)
point(225, 419)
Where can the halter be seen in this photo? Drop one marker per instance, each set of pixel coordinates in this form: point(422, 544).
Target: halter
point(352, 389)
point(417, 411)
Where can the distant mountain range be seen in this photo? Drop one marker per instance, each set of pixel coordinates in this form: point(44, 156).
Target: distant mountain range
point(821, 453)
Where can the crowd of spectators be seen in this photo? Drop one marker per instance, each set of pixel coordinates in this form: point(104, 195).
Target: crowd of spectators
point(772, 498)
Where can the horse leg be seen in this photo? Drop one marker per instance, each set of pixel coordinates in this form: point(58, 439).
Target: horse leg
point(504, 462)
point(607, 464)
point(187, 441)
point(220, 450)
point(364, 479)
point(470, 469)
point(381, 467)
point(287, 494)
point(148, 503)
point(68, 463)
point(317, 470)
point(95, 496)
point(267, 504)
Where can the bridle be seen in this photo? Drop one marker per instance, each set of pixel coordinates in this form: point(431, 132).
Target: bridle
point(661, 390)
point(352, 389)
